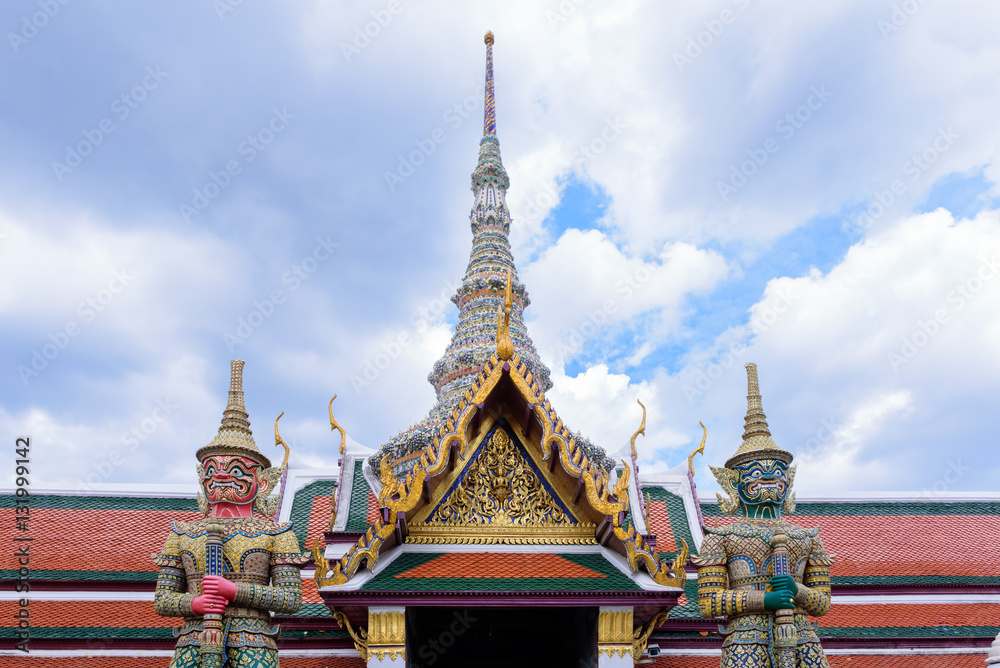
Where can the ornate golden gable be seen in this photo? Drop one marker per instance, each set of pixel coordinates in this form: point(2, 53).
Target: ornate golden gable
point(500, 498)
point(407, 500)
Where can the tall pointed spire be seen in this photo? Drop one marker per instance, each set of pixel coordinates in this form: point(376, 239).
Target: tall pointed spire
point(757, 442)
point(482, 293)
point(490, 109)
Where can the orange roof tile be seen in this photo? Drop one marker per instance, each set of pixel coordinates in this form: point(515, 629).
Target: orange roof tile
point(309, 592)
point(372, 513)
point(499, 565)
point(319, 521)
point(911, 615)
point(902, 544)
point(91, 614)
point(96, 540)
point(659, 520)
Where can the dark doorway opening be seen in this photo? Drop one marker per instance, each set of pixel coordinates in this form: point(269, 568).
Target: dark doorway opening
point(487, 637)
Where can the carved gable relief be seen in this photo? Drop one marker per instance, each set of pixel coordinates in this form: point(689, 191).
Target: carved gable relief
point(501, 498)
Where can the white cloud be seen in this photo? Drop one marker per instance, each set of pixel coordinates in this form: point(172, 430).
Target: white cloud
point(831, 377)
point(585, 287)
point(564, 72)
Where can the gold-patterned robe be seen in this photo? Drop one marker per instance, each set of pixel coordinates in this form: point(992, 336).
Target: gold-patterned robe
point(733, 568)
point(263, 559)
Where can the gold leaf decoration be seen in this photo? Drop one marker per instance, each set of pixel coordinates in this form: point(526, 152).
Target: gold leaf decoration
point(501, 497)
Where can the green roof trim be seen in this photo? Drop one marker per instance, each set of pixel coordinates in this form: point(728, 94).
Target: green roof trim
point(302, 507)
point(96, 633)
point(614, 579)
point(358, 511)
point(313, 610)
point(39, 574)
point(882, 508)
point(907, 631)
point(315, 633)
point(72, 502)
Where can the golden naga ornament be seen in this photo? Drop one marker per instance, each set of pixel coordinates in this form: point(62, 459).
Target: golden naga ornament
point(335, 426)
point(699, 450)
point(640, 430)
point(359, 637)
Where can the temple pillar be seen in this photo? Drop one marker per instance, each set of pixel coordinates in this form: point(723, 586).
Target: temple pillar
point(386, 637)
point(614, 637)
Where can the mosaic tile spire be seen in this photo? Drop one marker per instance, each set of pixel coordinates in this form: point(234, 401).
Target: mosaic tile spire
point(481, 293)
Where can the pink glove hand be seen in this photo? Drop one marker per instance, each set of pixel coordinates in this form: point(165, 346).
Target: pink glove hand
point(208, 603)
point(219, 586)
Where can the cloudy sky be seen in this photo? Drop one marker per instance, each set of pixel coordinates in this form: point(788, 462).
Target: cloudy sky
point(808, 186)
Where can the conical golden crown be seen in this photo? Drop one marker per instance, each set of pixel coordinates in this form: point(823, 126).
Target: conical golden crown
point(235, 437)
point(757, 443)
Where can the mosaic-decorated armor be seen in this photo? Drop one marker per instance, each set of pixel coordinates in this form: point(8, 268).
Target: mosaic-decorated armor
point(226, 573)
point(762, 572)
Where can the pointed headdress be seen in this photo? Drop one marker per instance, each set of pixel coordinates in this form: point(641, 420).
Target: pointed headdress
point(235, 437)
point(757, 442)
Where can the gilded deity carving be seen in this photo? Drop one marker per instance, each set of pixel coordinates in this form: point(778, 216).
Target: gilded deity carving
point(225, 574)
point(762, 573)
point(500, 498)
point(500, 489)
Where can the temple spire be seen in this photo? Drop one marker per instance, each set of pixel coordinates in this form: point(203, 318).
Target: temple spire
point(489, 111)
point(490, 283)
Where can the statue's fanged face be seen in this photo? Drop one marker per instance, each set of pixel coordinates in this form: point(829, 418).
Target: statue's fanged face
point(230, 478)
point(762, 481)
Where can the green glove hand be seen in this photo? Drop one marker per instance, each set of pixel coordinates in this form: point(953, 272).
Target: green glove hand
point(786, 582)
point(779, 600)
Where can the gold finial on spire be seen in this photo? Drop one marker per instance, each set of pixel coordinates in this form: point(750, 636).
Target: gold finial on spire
point(640, 430)
point(335, 426)
point(234, 436)
point(489, 110)
point(699, 449)
point(505, 347)
point(757, 442)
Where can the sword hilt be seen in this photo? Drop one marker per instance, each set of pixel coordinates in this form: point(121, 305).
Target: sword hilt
point(785, 636)
point(213, 644)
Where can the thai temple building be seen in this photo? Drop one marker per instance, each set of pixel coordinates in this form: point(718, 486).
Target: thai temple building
point(491, 534)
